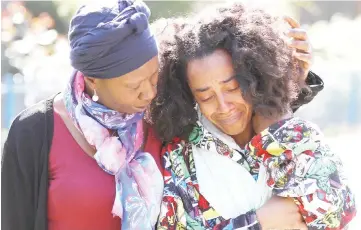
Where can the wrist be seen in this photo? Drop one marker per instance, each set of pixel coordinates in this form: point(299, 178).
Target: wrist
point(259, 217)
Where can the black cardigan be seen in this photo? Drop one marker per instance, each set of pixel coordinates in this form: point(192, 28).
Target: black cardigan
point(24, 170)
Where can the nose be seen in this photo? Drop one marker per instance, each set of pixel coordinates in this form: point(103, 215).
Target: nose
point(149, 92)
point(223, 105)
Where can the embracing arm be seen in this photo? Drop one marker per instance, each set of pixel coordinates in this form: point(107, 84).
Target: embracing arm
point(297, 39)
point(315, 83)
point(180, 201)
point(17, 182)
point(24, 171)
point(269, 216)
point(183, 206)
point(300, 165)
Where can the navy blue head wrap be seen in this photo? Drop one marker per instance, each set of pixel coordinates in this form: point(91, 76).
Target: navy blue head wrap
point(110, 41)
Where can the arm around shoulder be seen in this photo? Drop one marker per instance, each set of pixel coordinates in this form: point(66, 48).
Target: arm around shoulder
point(315, 85)
point(24, 169)
point(301, 165)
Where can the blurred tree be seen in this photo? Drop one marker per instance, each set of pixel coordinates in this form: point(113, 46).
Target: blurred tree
point(167, 9)
point(50, 7)
point(67, 8)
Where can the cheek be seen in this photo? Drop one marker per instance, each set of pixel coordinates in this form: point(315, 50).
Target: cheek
point(117, 95)
point(238, 100)
point(207, 109)
point(247, 118)
point(125, 97)
point(247, 109)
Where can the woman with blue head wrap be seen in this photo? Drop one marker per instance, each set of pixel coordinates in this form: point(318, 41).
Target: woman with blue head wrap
point(114, 55)
point(100, 114)
point(116, 52)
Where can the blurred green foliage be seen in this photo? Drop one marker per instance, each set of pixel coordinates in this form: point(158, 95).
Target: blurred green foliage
point(167, 9)
point(62, 11)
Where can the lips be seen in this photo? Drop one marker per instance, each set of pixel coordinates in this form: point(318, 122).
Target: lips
point(230, 119)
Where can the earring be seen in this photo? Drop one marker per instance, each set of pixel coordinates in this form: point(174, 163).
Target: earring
point(95, 96)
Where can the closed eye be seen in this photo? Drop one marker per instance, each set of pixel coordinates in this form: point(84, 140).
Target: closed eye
point(135, 88)
point(232, 90)
point(207, 99)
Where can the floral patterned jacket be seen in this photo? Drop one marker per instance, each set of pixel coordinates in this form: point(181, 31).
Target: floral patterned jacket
point(299, 164)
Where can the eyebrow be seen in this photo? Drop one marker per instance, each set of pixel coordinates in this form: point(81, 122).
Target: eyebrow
point(202, 89)
point(229, 79)
point(223, 82)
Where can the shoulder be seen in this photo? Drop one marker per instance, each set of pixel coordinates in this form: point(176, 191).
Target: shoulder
point(293, 132)
point(29, 140)
point(30, 129)
point(291, 149)
point(32, 118)
point(153, 145)
point(287, 139)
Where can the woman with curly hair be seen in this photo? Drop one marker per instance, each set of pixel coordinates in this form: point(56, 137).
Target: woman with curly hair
point(224, 108)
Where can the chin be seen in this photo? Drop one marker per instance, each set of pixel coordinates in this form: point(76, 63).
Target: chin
point(125, 110)
point(231, 132)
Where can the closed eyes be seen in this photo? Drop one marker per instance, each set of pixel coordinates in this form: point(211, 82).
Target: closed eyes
point(207, 99)
point(229, 90)
point(232, 90)
point(135, 88)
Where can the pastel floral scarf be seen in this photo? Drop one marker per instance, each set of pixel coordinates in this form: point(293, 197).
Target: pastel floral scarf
point(138, 181)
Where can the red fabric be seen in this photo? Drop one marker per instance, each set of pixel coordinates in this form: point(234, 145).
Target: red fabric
point(81, 194)
point(153, 146)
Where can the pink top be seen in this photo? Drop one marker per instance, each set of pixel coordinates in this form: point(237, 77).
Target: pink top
point(81, 194)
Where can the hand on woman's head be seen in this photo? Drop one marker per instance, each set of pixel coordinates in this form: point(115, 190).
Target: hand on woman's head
point(298, 40)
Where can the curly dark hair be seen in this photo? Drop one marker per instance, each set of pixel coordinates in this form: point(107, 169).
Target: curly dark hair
point(262, 61)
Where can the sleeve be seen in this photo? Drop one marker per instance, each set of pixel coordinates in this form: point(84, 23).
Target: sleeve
point(315, 85)
point(153, 145)
point(300, 165)
point(17, 194)
point(177, 206)
point(246, 221)
point(21, 172)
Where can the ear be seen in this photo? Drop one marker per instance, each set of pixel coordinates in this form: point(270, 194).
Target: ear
point(91, 82)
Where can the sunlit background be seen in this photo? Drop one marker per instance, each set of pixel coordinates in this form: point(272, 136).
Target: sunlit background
point(35, 63)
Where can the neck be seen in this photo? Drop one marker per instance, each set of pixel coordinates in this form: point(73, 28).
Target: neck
point(261, 123)
point(243, 138)
point(88, 90)
point(257, 125)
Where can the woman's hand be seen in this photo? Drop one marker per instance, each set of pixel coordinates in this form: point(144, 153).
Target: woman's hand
point(280, 213)
point(300, 42)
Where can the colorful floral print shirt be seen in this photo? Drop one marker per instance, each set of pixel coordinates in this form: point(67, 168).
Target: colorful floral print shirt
point(299, 164)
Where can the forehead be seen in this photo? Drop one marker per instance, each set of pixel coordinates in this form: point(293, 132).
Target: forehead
point(216, 66)
point(145, 71)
